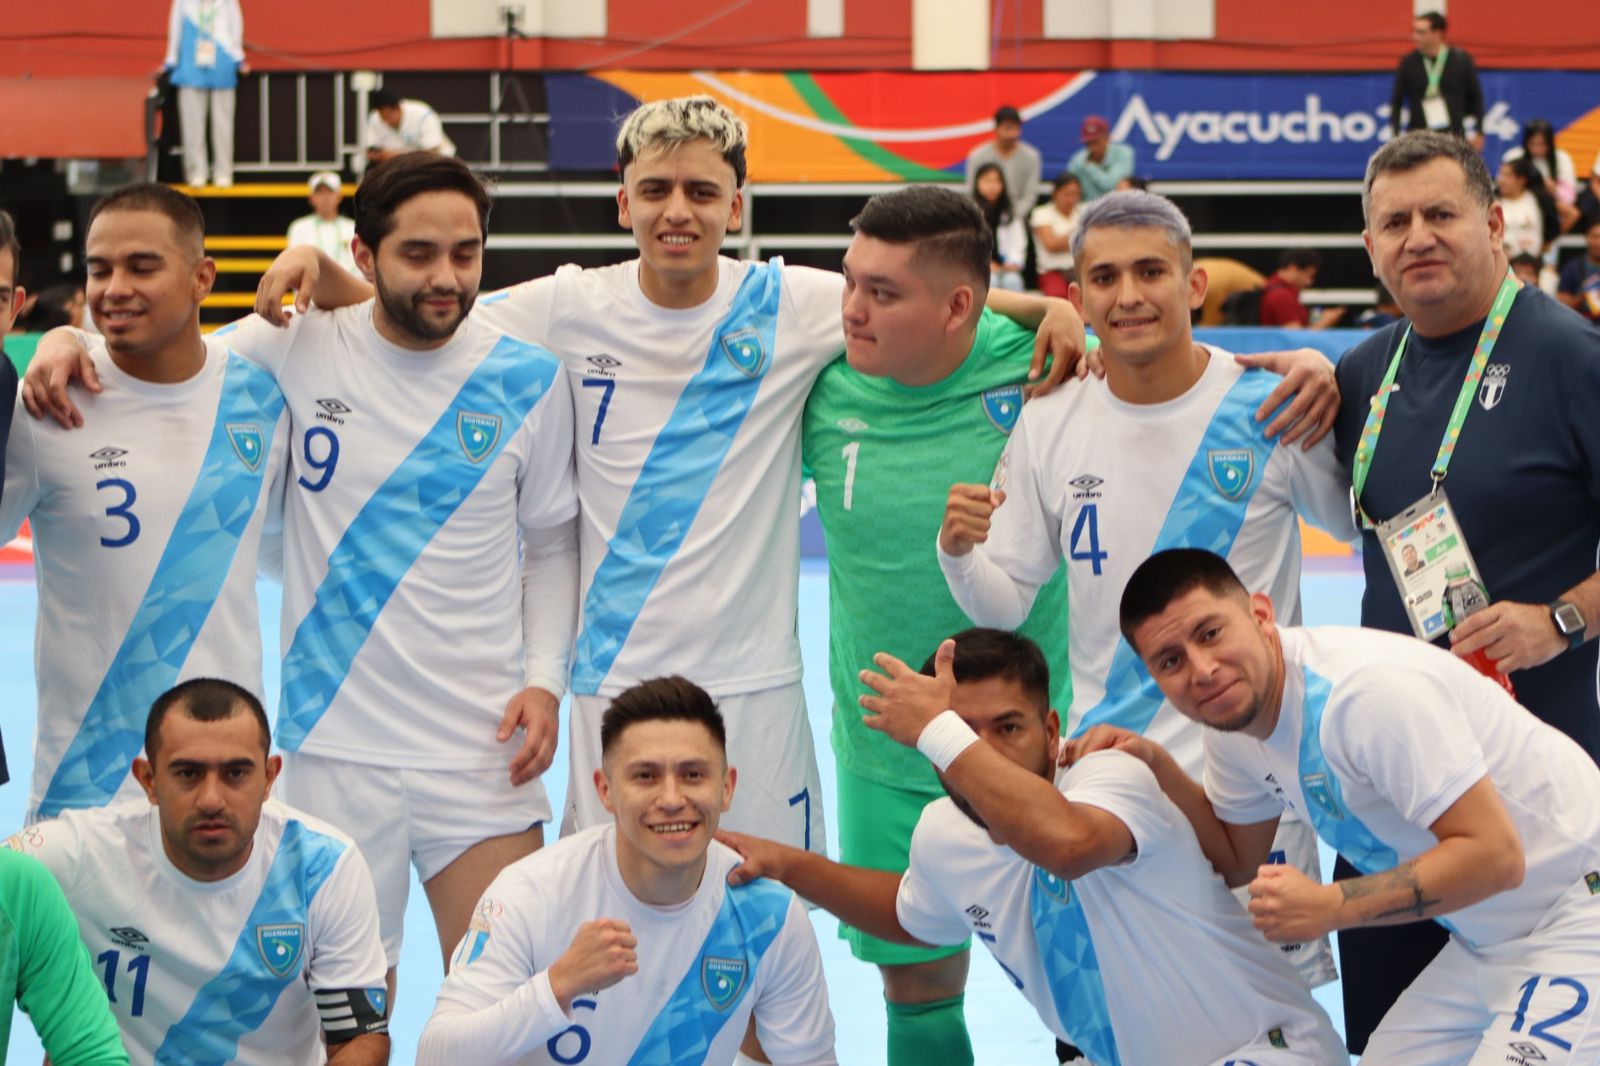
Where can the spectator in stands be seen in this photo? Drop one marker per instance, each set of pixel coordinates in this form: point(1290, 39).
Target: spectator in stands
point(1555, 167)
point(1529, 211)
point(1580, 278)
point(1224, 278)
point(1020, 160)
point(398, 125)
point(1520, 477)
point(1100, 164)
point(1053, 224)
point(1526, 268)
point(1589, 196)
point(1383, 312)
point(205, 56)
point(1010, 237)
point(325, 227)
point(1134, 184)
point(1280, 299)
point(1437, 85)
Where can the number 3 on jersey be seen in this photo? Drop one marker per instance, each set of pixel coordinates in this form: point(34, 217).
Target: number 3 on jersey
point(123, 509)
point(1086, 532)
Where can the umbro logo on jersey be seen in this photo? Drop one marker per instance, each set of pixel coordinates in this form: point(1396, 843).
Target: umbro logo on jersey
point(129, 937)
point(1084, 486)
point(1494, 385)
point(333, 410)
point(1529, 1051)
point(108, 457)
point(852, 425)
point(604, 364)
point(722, 980)
point(979, 916)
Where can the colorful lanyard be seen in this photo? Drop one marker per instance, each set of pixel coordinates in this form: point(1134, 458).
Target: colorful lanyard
point(1368, 444)
point(1435, 69)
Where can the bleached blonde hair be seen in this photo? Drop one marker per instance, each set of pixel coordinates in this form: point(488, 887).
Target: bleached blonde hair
point(662, 125)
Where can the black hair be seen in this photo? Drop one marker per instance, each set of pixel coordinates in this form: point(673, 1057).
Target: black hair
point(396, 180)
point(982, 654)
point(1534, 127)
point(1300, 257)
point(381, 98)
point(1065, 178)
point(1169, 574)
point(163, 200)
point(1434, 20)
point(1007, 113)
point(9, 243)
point(944, 225)
point(205, 699)
point(662, 699)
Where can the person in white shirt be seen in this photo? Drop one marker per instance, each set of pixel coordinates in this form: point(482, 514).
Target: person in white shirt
point(625, 942)
point(431, 491)
point(1168, 450)
point(396, 126)
point(1053, 224)
point(228, 927)
point(325, 228)
point(147, 524)
point(1455, 802)
point(205, 58)
point(1068, 886)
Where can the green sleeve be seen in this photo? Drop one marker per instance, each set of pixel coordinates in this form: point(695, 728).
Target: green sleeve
point(56, 984)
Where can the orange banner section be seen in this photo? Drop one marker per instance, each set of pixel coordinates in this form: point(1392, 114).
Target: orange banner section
point(73, 118)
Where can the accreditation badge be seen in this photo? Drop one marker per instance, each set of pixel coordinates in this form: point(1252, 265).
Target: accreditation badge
point(1431, 564)
point(205, 53)
point(1435, 112)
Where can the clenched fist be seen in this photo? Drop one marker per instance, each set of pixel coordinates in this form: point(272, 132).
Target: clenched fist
point(601, 955)
point(966, 517)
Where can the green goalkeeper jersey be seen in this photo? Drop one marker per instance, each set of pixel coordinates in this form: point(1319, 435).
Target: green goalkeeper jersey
point(884, 456)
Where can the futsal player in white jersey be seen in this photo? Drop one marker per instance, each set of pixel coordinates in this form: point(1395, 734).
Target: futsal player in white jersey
point(227, 927)
point(146, 524)
point(1093, 896)
point(1165, 451)
point(624, 942)
point(1454, 801)
point(430, 568)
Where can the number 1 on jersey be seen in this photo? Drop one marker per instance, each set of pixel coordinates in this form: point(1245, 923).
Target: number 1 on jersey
point(1088, 522)
point(849, 454)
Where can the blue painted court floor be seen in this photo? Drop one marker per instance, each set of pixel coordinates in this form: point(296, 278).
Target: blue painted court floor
point(1005, 1031)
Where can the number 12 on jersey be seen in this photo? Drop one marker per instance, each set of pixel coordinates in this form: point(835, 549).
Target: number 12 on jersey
point(1087, 529)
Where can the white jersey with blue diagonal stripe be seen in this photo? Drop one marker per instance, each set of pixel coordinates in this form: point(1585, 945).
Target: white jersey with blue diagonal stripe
point(688, 464)
point(1147, 961)
point(705, 967)
point(416, 480)
point(1104, 484)
point(1403, 730)
point(146, 525)
point(206, 973)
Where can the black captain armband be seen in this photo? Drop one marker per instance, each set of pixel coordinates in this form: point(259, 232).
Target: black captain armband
point(351, 1012)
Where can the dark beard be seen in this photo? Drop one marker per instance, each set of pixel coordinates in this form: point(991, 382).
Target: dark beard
point(406, 313)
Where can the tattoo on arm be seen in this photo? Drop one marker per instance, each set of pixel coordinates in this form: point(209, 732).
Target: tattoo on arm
point(1402, 878)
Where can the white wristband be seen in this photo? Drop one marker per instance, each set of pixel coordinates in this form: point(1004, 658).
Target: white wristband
point(944, 738)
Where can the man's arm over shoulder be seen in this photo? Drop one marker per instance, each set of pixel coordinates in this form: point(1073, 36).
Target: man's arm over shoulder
point(22, 490)
point(525, 311)
point(56, 983)
point(792, 1016)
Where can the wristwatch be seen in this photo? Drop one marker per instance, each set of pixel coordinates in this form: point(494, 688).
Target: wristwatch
point(1569, 622)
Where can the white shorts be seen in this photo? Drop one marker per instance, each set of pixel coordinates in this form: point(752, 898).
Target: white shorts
point(1532, 1001)
point(778, 792)
point(399, 818)
point(1296, 845)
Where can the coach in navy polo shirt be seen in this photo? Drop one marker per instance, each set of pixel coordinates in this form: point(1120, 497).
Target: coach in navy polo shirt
point(1523, 478)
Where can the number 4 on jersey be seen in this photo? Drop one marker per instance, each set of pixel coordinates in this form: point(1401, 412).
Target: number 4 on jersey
point(1087, 527)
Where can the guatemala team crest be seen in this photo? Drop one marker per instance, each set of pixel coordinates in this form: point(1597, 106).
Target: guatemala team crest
point(248, 444)
point(1053, 886)
point(378, 1000)
point(1317, 791)
point(722, 979)
point(281, 946)
point(1231, 470)
point(745, 351)
point(477, 434)
point(1003, 406)
point(1494, 385)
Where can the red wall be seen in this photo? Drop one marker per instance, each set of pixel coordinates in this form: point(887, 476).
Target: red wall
point(125, 37)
